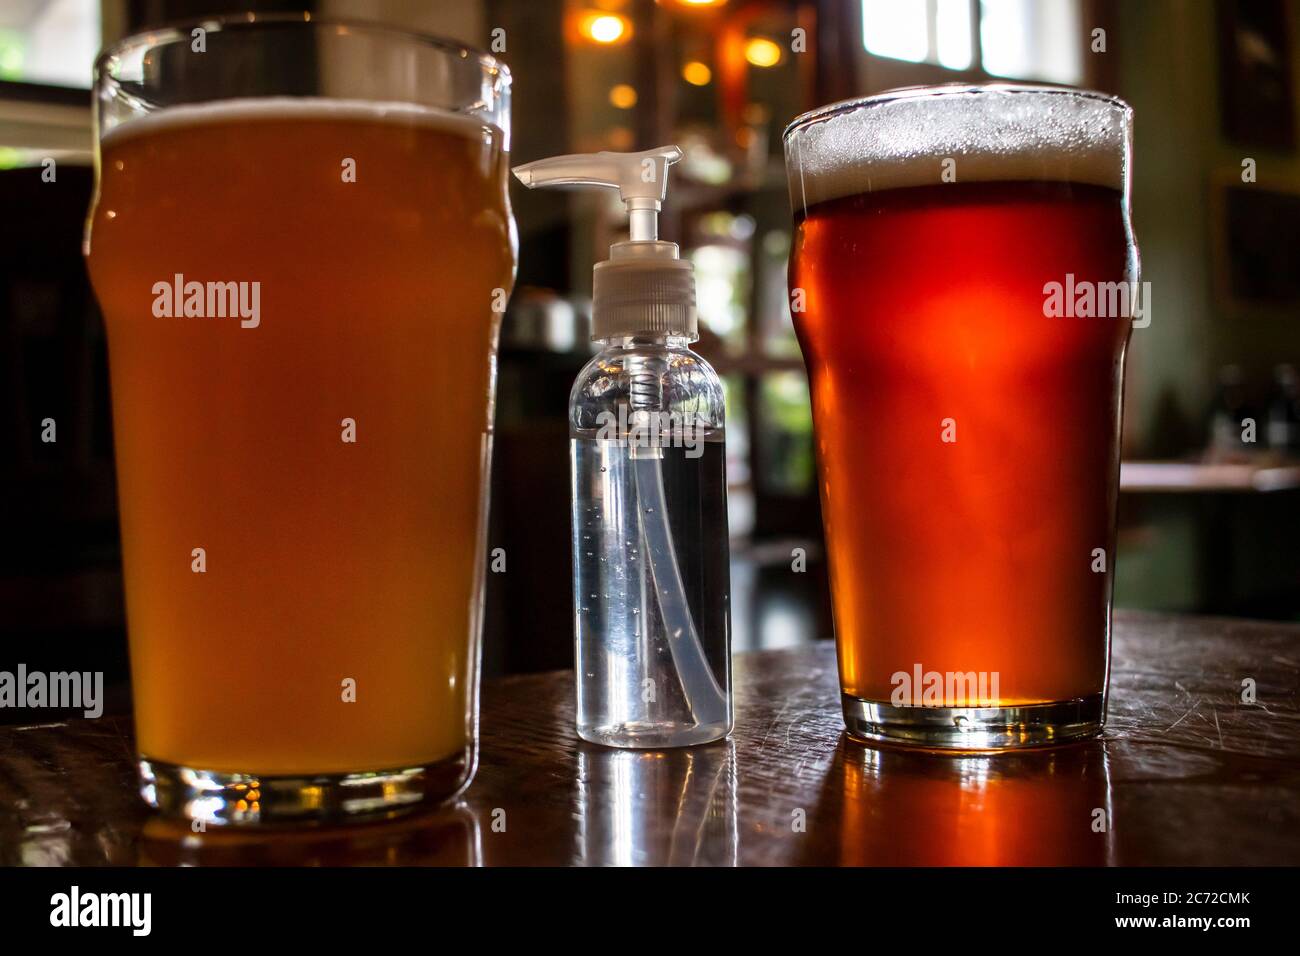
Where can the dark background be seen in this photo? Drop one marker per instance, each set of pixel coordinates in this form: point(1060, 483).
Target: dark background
point(1213, 85)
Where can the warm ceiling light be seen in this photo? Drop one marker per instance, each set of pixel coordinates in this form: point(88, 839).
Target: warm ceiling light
point(697, 73)
point(606, 27)
point(701, 3)
point(623, 96)
point(761, 51)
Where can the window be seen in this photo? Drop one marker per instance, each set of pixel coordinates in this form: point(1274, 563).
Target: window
point(919, 31)
point(47, 52)
point(1017, 39)
point(50, 42)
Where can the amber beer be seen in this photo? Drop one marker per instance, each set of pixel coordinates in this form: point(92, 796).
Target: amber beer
point(967, 432)
point(301, 495)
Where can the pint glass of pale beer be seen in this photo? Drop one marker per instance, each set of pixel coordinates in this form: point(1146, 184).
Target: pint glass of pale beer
point(301, 243)
point(963, 284)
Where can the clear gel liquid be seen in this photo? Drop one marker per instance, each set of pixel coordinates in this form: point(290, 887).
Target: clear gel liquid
point(644, 680)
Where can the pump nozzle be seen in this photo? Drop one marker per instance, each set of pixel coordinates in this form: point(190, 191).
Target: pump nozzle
point(644, 287)
point(640, 178)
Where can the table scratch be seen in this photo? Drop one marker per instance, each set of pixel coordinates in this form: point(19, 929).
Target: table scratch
point(1189, 711)
point(762, 744)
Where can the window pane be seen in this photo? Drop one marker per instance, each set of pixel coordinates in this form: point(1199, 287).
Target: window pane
point(787, 448)
point(896, 28)
point(721, 278)
point(49, 41)
point(953, 34)
point(1032, 39)
point(773, 313)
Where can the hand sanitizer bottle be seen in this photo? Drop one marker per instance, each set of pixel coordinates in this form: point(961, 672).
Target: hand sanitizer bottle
point(651, 582)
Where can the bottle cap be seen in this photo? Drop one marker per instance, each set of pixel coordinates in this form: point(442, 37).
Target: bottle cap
point(644, 287)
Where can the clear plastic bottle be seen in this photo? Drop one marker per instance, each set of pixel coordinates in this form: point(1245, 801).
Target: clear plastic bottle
point(650, 557)
point(651, 561)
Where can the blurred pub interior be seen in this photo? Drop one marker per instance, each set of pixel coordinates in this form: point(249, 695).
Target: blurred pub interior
point(1208, 523)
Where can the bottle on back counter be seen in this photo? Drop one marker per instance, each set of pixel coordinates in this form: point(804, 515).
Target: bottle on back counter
point(651, 581)
point(1284, 412)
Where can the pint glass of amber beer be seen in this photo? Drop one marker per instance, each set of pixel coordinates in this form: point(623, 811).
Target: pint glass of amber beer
point(301, 242)
point(963, 284)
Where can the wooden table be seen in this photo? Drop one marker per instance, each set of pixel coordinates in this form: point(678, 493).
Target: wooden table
point(1185, 774)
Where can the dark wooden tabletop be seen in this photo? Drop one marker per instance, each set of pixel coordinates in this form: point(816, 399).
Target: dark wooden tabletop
point(1186, 773)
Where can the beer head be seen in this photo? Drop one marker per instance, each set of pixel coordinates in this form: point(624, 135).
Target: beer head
point(924, 136)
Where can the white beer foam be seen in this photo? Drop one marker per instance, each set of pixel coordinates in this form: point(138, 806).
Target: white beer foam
point(994, 135)
point(282, 108)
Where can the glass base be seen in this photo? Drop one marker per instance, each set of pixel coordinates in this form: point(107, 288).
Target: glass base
point(653, 736)
point(975, 728)
point(248, 799)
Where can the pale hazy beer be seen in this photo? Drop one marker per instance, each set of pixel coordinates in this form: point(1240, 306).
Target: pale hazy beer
point(302, 299)
point(967, 431)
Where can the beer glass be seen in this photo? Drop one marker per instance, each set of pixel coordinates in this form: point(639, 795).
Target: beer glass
point(301, 242)
point(963, 284)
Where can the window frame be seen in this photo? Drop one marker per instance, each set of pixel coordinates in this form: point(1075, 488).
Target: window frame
point(877, 73)
point(56, 119)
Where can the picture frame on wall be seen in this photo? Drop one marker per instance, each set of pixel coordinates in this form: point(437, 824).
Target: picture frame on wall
point(1255, 243)
point(1256, 95)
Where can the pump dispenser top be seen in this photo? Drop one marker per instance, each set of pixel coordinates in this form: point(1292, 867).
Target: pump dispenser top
point(644, 287)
